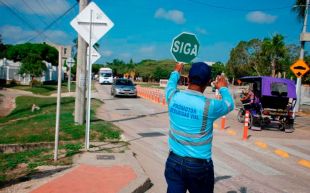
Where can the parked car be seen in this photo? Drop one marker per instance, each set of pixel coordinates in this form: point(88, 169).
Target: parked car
point(123, 87)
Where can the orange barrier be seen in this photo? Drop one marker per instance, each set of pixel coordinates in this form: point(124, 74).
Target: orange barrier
point(246, 125)
point(151, 94)
point(223, 122)
point(164, 100)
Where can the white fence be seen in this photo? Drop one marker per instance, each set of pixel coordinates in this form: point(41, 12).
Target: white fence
point(9, 71)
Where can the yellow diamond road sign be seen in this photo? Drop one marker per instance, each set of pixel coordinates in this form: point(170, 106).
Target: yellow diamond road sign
point(299, 68)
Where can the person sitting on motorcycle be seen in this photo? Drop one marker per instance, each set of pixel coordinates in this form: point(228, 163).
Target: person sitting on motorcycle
point(251, 97)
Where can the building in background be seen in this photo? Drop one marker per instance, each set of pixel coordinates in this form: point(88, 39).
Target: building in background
point(9, 71)
point(66, 51)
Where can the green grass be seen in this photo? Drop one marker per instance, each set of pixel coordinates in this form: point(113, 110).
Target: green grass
point(45, 90)
point(24, 126)
point(11, 163)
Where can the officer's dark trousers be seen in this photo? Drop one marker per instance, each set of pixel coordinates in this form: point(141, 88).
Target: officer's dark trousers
point(183, 174)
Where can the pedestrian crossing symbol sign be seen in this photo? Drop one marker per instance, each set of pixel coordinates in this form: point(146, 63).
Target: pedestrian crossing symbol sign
point(299, 68)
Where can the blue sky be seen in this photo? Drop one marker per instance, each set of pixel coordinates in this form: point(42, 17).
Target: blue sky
point(144, 29)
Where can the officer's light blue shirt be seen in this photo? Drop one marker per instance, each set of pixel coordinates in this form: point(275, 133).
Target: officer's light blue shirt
point(190, 135)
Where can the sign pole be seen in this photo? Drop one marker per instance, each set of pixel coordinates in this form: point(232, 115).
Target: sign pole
point(58, 105)
point(89, 83)
point(301, 56)
point(69, 79)
point(91, 30)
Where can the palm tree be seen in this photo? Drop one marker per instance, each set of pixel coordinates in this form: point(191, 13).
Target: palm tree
point(300, 9)
point(274, 50)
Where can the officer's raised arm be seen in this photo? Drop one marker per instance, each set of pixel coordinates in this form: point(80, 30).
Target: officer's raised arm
point(226, 104)
point(173, 80)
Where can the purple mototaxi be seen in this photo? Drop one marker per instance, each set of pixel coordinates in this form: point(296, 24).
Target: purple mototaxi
point(266, 83)
point(276, 98)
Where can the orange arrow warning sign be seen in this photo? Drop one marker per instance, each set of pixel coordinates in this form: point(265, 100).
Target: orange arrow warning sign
point(299, 68)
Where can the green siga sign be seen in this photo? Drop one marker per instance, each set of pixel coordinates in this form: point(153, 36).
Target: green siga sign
point(185, 47)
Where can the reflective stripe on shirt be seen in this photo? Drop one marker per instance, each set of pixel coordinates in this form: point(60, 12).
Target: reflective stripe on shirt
point(191, 143)
point(205, 116)
point(171, 95)
point(202, 133)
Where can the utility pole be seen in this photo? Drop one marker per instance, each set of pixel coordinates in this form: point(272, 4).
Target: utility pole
point(80, 98)
point(301, 56)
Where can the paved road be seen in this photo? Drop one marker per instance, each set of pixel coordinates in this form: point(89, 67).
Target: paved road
point(269, 161)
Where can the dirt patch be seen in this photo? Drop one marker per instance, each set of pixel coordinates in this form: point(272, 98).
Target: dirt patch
point(7, 104)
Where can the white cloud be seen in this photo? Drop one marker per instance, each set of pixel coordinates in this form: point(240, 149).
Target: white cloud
point(15, 34)
point(56, 35)
point(260, 17)
point(201, 31)
point(125, 55)
point(40, 7)
point(172, 15)
point(106, 53)
point(147, 50)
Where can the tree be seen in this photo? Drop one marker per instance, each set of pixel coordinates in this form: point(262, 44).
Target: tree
point(238, 63)
point(96, 68)
point(2, 48)
point(300, 9)
point(32, 65)
point(274, 51)
point(160, 73)
point(20, 51)
point(217, 69)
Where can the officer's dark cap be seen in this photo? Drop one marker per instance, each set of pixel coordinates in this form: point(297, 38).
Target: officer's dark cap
point(200, 73)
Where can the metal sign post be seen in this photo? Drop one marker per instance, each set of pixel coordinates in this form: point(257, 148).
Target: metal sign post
point(58, 105)
point(93, 56)
point(91, 24)
point(70, 62)
point(89, 83)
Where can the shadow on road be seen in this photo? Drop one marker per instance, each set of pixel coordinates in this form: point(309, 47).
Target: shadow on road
point(219, 178)
point(137, 117)
point(241, 190)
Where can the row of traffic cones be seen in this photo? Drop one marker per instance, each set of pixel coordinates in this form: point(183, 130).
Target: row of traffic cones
point(155, 95)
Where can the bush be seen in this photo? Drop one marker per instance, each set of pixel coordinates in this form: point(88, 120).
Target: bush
point(50, 82)
point(13, 82)
point(2, 82)
point(35, 82)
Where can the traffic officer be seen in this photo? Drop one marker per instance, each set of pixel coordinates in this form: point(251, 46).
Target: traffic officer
point(189, 165)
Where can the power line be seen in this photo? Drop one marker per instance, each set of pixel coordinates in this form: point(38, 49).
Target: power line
point(29, 7)
point(53, 22)
point(20, 17)
point(238, 9)
point(49, 13)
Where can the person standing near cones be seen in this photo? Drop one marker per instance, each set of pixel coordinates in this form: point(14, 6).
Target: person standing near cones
point(189, 165)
